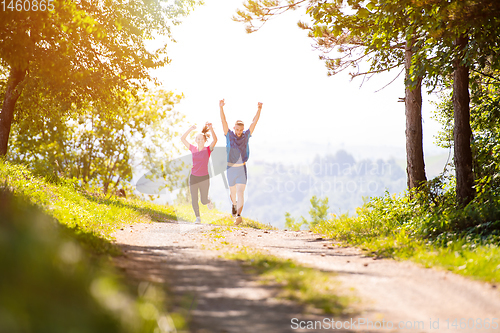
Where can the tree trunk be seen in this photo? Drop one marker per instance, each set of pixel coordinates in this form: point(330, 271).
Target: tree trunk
point(12, 93)
point(415, 166)
point(462, 132)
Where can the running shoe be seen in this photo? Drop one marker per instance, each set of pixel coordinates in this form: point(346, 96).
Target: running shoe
point(238, 220)
point(198, 220)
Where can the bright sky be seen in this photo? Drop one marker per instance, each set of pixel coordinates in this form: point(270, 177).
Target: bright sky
point(214, 58)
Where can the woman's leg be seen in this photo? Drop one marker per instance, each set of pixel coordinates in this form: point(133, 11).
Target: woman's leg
point(204, 187)
point(193, 188)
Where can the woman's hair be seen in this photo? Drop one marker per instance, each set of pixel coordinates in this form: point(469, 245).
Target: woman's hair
point(205, 132)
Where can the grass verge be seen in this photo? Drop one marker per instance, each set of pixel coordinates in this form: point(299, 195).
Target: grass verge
point(404, 227)
point(50, 284)
point(319, 291)
point(91, 219)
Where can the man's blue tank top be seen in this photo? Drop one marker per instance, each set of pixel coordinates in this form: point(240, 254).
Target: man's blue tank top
point(237, 147)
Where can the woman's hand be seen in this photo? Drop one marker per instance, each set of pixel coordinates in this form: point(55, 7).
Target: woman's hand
point(184, 136)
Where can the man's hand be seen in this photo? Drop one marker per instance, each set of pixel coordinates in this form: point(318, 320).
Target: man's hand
point(225, 128)
point(256, 118)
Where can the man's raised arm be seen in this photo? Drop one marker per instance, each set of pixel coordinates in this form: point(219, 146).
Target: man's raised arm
point(223, 117)
point(256, 118)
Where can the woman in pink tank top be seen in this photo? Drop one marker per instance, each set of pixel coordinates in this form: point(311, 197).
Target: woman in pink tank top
point(199, 179)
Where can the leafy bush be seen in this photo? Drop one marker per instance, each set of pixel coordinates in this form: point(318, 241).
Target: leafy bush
point(420, 222)
point(318, 213)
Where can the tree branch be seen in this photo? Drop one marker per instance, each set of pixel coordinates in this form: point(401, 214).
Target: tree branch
point(391, 81)
point(487, 75)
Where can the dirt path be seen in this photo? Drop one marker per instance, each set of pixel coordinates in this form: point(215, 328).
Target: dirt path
point(224, 299)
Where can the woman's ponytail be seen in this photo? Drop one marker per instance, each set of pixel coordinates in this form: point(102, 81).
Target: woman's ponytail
point(205, 131)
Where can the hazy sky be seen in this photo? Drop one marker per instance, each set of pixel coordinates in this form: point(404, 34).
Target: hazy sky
point(215, 58)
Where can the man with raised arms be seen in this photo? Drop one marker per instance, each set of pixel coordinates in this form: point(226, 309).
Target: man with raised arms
point(237, 155)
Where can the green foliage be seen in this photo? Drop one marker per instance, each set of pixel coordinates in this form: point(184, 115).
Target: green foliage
point(379, 31)
point(484, 113)
point(49, 284)
point(99, 144)
point(427, 226)
point(290, 223)
point(440, 25)
point(85, 50)
point(318, 213)
point(91, 219)
point(77, 53)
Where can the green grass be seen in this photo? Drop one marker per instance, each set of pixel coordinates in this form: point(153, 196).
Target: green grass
point(404, 228)
point(50, 284)
point(316, 289)
point(92, 219)
point(481, 262)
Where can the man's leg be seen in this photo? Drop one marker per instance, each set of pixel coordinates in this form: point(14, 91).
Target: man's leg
point(232, 193)
point(231, 179)
point(240, 191)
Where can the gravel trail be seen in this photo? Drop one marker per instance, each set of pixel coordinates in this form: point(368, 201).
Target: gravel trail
point(223, 298)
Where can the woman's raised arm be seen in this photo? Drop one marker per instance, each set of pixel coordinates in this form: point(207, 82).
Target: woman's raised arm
point(184, 136)
point(214, 141)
